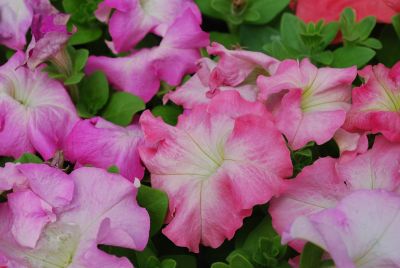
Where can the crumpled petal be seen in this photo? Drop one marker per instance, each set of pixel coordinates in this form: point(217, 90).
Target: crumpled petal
point(140, 73)
point(203, 163)
point(350, 144)
point(309, 104)
point(361, 231)
point(114, 145)
point(377, 102)
point(133, 19)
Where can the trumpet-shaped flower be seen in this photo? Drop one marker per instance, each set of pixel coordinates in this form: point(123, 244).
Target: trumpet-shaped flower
point(309, 104)
point(141, 72)
point(376, 103)
point(113, 145)
point(327, 181)
point(360, 231)
point(236, 70)
point(133, 19)
point(38, 192)
point(103, 211)
point(36, 112)
point(213, 168)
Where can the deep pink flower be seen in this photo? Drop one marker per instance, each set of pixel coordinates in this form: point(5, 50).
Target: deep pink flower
point(131, 20)
point(102, 144)
point(309, 104)
point(36, 112)
point(141, 72)
point(213, 168)
point(327, 181)
point(376, 103)
point(362, 230)
point(330, 10)
point(103, 211)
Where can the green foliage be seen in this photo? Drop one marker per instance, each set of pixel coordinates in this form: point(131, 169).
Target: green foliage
point(169, 113)
point(311, 256)
point(156, 203)
point(82, 17)
point(299, 40)
point(113, 169)
point(242, 11)
point(29, 158)
point(93, 94)
point(121, 108)
point(352, 55)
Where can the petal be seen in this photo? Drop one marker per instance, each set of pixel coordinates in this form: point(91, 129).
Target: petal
point(30, 216)
point(361, 231)
point(350, 144)
point(114, 145)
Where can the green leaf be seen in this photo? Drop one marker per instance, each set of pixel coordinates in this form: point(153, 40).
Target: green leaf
point(168, 263)
point(239, 261)
point(29, 158)
point(113, 169)
point(79, 59)
point(365, 27)
point(311, 256)
point(207, 9)
point(396, 24)
point(267, 9)
point(227, 39)
point(183, 261)
point(290, 32)
point(254, 37)
point(93, 92)
point(352, 55)
point(325, 57)
point(85, 34)
point(169, 113)
point(122, 107)
point(74, 79)
point(156, 203)
point(372, 43)
point(219, 265)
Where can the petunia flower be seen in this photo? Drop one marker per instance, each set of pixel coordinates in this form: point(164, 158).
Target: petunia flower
point(16, 18)
point(49, 40)
point(113, 145)
point(330, 10)
point(236, 70)
point(38, 191)
point(309, 104)
point(350, 144)
point(360, 231)
point(213, 168)
point(141, 72)
point(132, 20)
point(36, 112)
point(326, 182)
point(376, 103)
point(103, 211)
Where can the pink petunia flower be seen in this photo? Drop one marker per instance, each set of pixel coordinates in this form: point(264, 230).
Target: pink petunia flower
point(309, 104)
point(103, 211)
point(350, 144)
point(360, 231)
point(36, 112)
point(141, 72)
point(326, 182)
point(376, 103)
point(38, 193)
point(236, 70)
point(102, 144)
point(213, 168)
point(131, 20)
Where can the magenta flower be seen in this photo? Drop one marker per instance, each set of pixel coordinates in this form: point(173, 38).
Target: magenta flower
point(36, 112)
point(309, 104)
point(103, 211)
point(213, 168)
point(141, 72)
point(102, 144)
point(131, 20)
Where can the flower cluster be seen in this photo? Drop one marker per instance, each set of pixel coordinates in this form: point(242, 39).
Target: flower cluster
point(81, 169)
